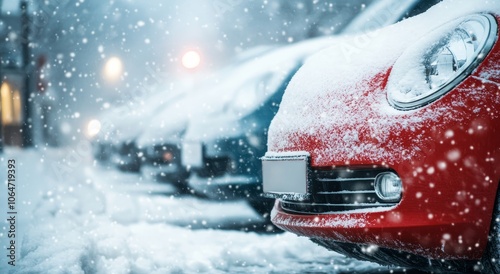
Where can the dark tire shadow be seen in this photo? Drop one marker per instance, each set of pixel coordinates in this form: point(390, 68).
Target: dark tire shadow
point(392, 270)
point(261, 227)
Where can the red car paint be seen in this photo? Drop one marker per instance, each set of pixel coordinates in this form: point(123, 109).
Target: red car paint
point(450, 184)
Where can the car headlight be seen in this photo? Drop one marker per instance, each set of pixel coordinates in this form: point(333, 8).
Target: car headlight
point(440, 61)
point(388, 187)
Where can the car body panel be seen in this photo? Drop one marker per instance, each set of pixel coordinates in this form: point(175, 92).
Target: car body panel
point(445, 153)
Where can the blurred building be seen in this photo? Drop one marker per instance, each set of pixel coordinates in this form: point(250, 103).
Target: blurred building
point(22, 88)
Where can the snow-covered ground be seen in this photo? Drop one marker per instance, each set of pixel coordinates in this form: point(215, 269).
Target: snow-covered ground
point(98, 220)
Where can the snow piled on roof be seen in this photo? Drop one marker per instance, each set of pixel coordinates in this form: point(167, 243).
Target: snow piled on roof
point(137, 114)
point(125, 122)
point(320, 104)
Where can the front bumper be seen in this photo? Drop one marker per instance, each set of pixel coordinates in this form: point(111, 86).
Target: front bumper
point(442, 215)
point(397, 229)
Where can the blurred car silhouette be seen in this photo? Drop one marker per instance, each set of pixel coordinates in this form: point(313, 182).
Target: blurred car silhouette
point(114, 144)
point(391, 154)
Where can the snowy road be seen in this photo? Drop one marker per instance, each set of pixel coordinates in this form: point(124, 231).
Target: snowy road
point(100, 220)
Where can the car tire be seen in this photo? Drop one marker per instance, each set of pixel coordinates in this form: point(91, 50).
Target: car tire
point(491, 257)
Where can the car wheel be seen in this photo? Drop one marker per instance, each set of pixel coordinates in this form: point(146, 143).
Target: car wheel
point(491, 258)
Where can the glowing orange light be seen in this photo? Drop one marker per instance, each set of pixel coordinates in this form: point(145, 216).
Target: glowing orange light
point(167, 156)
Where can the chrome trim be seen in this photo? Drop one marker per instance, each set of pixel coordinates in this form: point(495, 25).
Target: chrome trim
point(337, 190)
point(377, 182)
point(344, 192)
point(345, 179)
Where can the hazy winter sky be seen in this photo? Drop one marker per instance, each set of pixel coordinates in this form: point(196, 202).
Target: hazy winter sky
point(150, 37)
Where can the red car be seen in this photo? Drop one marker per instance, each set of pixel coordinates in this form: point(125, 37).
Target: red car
point(386, 146)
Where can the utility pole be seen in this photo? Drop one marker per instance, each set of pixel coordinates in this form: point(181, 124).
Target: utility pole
point(27, 126)
point(1, 82)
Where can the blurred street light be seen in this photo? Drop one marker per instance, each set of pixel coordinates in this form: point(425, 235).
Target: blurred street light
point(93, 128)
point(113, 69)
point(191, 59)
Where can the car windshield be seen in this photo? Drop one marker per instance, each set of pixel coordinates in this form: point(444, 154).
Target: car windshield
point(255, 91)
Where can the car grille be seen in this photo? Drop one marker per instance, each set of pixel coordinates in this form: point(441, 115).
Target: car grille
point(339, 189)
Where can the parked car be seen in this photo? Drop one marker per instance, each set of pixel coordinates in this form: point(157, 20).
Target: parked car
point(114, 145)
point(389, 151)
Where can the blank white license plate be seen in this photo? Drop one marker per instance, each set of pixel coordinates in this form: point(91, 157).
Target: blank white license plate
point(192, 154)
point(285, 175)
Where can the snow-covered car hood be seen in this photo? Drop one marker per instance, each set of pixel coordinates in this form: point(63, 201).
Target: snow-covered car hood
point(334, 97)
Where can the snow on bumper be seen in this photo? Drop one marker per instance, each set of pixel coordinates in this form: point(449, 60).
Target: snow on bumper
point(394, 229)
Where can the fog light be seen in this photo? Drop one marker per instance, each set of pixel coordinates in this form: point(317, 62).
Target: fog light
point(388, 187)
